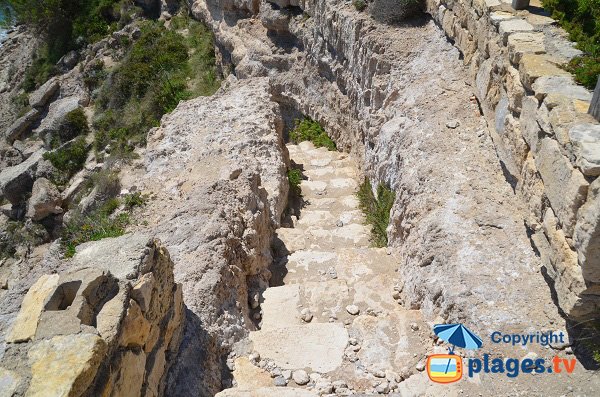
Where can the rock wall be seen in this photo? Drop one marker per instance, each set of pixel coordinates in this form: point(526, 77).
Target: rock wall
point(216, 173)
point(548, 144)
point(400, 99)
point(110, 325)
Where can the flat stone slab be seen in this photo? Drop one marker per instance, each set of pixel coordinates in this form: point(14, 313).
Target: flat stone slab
point(562, 85)
point(513, 25)
point(280, 307)
point(525, 43)
point(586, 144)
point(249, 376)
point(319, 347)
point(534, 66)
point(267, 392)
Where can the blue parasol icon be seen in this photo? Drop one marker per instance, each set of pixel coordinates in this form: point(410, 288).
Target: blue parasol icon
point(458, 335)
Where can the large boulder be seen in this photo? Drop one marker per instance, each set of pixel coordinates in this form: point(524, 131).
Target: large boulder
point(21, 125)
point(57, 112)
point(16, 182)
point(40, 97)
point(45, 200)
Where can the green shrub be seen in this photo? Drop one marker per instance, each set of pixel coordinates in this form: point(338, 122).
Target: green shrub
point(96, 226)
point(74, 125)
point(21, 104)
point(310, 130)
point(161, 68)
point(376, 210)
point(360, 5)
point(581, 19)
point(69, 159)
point(294, 180)
point(134, 200)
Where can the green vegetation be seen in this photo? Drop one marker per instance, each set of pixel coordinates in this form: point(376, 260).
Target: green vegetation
point(69, 158)
point(581, 19)
point(67, 25)
point(162, 68)
point(18, 234)
point(100, 224)
point(134, 200)
point(360, 5)
point(377, 210)
point(294, 179)
point(310, 130)
point(74, 125)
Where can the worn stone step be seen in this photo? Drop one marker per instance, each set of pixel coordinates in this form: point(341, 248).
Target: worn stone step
point(328, 218)
point(336, 187)
point(326, 173)
point(351, 235)
point(343, 203)
point(267, 392)
point(315, 346)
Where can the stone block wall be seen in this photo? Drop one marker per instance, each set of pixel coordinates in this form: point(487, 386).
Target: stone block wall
point(109, 326)
point(548, 146)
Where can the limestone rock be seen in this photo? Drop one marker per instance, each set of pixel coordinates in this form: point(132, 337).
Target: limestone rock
point(300, 377)
point(64, 365)
point(26, 323)
point(39, 98)
point(587, 234)
point(56, 116)
point(17, 181)
point(128, 381)
point(45, 200)
point(565, 186)
point(586, 144)
point(9, 382)
point(110, 316)
point(560, 85)
point(142, 291)
point(21, 125)
point(248, 376)
point(513, 25)
point(534, 66)
point(524, 43)
point(135, 327)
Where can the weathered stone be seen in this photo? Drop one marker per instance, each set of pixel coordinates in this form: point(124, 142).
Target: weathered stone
point(135, 327)
point(565, 186)
point(109, 317)
point(9, 382)
point(248, 376)
point(39, 98)
point(513, 25)
point(520, 4)
point(529, 125)
point(534, 66)
point(26, 323)
point(64, 365)
point(300, 377)
point(130, 377)
point(142, 291)
point(587, 234)
point(561, 85)
point(586, 144)
point(57, 112)
point(16, 182)
point(57, 322)
point(45, 200)
point(524, 43)
point(21, 125)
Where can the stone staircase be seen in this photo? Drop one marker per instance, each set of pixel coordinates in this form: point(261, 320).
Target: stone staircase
point(333, 325)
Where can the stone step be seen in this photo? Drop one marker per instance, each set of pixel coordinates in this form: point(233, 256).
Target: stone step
point(319, 238)
point(315, 346)
point(336, 187)
point(267, 392)
point(326, 173)
point(328, 218)
point(343, 203)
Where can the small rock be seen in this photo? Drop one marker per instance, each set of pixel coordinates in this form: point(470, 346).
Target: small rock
point(420, 366)
point(300, 377)
point(256, 316)
point(378, 373)
point(306, 315)
point(353, 341)
point(254, 357)
point(383, 388)
point(332, 273)
point(453, 124)
point(323, 386)
point(352, 309)
point(414, 326)
point(339, 224)
point(339, 384)
point(569, 350)
point(396, 295)
point(280, 381)
point(276, 372)
point(287, 374)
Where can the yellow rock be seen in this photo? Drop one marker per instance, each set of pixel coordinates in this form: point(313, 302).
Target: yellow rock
point(64, 365)
point(136, 328)
point(533, 66)
point(248, 376)
point(31, 309)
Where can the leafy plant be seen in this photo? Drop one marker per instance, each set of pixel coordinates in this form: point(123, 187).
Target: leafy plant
point(377, 210)
point(294, 180)
point(581, 19)
point(74, 125)
point(134, 200)
point(360, 5)
point(69, 159)
point(310, 130)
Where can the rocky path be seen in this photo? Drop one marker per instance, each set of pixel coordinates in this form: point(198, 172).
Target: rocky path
point(330, 323)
